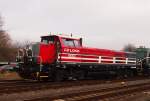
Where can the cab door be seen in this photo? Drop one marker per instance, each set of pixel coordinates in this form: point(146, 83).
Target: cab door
point(48, 49)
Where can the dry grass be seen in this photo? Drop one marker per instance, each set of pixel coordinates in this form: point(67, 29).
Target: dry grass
point(7, 75)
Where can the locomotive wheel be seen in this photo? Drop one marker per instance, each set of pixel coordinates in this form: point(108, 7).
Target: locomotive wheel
point(59, 75)
point(121, 74)
point(125, 73)
point(80, 75)
point(129, 73)
point(24, 73)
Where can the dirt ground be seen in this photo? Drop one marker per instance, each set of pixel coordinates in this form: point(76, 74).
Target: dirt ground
point(141, 96)
point(144, 96)
point(9, 75)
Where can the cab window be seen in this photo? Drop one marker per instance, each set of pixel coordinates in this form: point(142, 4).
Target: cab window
point(71, 42)
point(76, 42)
point(47, 40)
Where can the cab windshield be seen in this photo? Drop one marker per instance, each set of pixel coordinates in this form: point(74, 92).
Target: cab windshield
point(47, 40)
point(71, 42)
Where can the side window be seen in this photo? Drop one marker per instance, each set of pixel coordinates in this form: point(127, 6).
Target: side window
point(68, 42)
point(77, 43)
point(71, 42)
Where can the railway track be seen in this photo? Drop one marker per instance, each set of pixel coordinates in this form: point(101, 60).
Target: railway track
point(75, 90)
point(8, 87)
point(16, 86)
point(105, 94)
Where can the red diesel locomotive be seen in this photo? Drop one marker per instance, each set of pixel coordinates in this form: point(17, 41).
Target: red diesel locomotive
point(60, 57)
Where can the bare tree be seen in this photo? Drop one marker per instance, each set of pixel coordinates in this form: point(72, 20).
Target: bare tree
point(129, 48)
point(24, 44)
point(4, 39)
point(7, 51)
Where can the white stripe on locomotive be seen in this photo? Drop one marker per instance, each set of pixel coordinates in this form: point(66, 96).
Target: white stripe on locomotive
point(99, 59)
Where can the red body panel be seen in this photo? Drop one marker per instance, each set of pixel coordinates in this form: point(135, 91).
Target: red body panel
point(47, 53)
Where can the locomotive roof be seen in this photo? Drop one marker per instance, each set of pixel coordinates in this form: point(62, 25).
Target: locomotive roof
point(63, 36)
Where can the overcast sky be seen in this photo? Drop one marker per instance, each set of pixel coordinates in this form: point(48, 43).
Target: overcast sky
point(107, 24)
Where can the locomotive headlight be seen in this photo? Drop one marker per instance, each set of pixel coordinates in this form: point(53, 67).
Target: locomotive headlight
point(133, 67)
point(30, 59)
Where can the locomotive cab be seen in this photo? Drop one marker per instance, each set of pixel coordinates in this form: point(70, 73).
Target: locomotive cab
point(51, 49)
point(51, 46)
point(48, 47)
